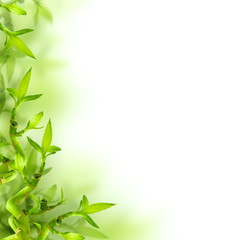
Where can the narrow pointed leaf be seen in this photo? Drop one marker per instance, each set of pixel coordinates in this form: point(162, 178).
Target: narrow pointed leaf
point(88, 219)
point(47, 137)
point(13, 8)
point(22, 31)
point(19, 162)
point(31, 97)
point(71, 236)
point(51, 193)
point(20, 45)
point(13, 91)
point(23, 86)
point(10, 66)
point(34, 121)
point(34, 144)
point(54, 149)
point(85, 202)
point(97, 207)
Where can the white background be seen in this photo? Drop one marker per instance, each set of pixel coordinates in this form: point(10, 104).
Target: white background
point(155, 92)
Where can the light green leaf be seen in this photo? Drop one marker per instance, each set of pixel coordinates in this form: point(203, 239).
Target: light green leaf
point(97, 207)
point(8, 45)
point(47, 137)
point(71, 236)
point(34, 144)
point(47, 170)
point(20, 45)
point(34, 121)
point(22, 31)
point(38, 226)
point(13, 91)
point(54, 149)
point(51, 193)
point(44, 11)
point(23, 85)
point(85, 202)
point(88, 219)
point(10, 66)
point(31, 97)
point(13, 8)
point(19, 161)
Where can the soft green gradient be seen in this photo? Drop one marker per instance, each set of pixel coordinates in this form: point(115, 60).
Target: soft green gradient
point(78, 171)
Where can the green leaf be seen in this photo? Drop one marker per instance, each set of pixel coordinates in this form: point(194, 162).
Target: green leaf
point(8, 45)
point(23, 86)
point(47, 137)
point(31, 97)
point(34, 144)
point(34, 121)
point(71, 236)
point(13, 8)
point(22, 31)
point(97, 207)
point(38, 226)
point(31, 165)
point(12, 91)
point(10, 66)
point(44, 11)
point(47, 170)
point(85, 202)
point(88, 219)
point(19, 161)
point(20, 45)
point(54, 149)
point(51, 193)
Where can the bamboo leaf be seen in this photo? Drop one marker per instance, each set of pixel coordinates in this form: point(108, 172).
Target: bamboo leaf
point(12, 91)
point(54, 149)
point(71, 236)
point(51, 193)
point(97, 207)
point(10, 66)
point(31, 97)
point(19, 162)
point(85, 202)
point(20, 45)
point(44, 11)
point(34, 144)
point(47, 137)
point(22, 31)
point(88, 219)
point(33, 123)
point(23, 86)
point(38, 226)
point(13, 8)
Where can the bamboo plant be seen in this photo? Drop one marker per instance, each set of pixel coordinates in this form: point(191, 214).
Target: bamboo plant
point(25, 203)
